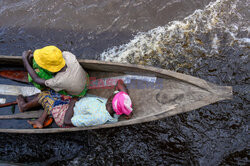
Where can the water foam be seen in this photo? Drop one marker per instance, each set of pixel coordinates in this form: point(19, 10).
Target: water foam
point(181, 43)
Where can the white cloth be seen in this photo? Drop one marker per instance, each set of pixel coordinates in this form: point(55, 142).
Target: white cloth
point(91, 111)
point(72, 80)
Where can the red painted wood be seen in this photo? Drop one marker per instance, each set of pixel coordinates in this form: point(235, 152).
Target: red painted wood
point(16, 75)
point(8, 104)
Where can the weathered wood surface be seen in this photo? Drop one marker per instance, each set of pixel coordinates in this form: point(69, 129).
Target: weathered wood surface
point(25, 115)
point(15, 90)
point(173, 93)
point(122, 68)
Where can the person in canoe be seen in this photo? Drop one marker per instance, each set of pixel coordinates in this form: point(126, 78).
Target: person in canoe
point(91, 111)
point(56, 74)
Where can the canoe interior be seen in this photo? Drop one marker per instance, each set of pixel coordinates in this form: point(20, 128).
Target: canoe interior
point(151, 98)
point(172, 93)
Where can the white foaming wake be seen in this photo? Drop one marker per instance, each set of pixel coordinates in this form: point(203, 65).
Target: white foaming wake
point(198, 35)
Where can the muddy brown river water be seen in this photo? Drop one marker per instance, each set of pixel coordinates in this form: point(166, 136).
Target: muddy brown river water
point(205, 38)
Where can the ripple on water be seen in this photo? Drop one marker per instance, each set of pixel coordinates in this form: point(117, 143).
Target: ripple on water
point(212, 44)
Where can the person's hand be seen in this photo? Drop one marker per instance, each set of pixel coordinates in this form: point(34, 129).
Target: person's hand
point(26, 54)
point(30, 58)
point(30, 55)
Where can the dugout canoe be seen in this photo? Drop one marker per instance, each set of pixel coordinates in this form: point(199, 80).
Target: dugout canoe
point(172, 93)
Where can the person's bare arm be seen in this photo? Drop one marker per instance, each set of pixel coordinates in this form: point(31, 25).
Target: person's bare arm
point(70, 112)
point(120, 86)
point(26, 62)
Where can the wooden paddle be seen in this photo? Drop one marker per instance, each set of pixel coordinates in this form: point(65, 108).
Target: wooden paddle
point(13, 103)
point(8, 104)
point(17, 75)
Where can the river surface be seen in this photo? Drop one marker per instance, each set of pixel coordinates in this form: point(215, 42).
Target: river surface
point(205, 38)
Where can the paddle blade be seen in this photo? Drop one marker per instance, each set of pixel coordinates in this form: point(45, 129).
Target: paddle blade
point(17, 75)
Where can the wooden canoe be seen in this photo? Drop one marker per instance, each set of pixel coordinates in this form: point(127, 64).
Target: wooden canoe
point(171, 94)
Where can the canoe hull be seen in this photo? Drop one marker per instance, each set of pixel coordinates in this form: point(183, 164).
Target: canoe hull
point(171, 94)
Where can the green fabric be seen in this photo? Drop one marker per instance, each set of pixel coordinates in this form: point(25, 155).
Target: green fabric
point(42, 73)
point(45, 74)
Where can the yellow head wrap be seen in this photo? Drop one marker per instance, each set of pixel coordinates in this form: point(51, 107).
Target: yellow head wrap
point(49, 58)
